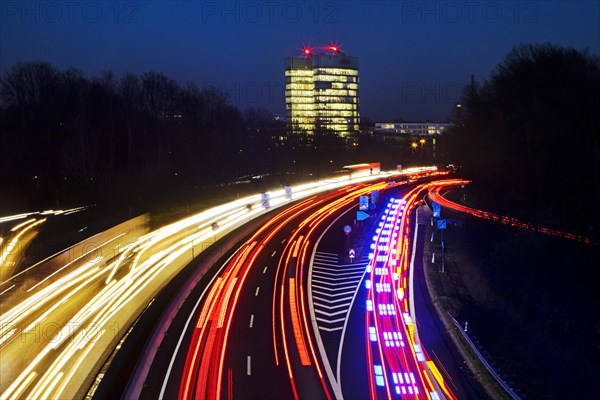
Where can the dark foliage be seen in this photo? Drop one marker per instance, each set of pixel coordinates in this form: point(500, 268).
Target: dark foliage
point(65, 137)
point(531, 132)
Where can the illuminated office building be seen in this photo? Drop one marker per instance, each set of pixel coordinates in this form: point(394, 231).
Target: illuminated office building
point(321, 92)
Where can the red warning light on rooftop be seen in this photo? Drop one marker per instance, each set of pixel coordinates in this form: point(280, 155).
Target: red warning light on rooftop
point(330, 49)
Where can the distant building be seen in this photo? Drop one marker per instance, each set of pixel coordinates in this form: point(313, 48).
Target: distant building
point(321, 93)
point(411, 128)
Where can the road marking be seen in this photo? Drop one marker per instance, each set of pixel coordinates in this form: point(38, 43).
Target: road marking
point(344, 311)
point(273, 253)
point(7, 290)
point(341, 266)
point(283, 241)
point(322, 300)
point(163, 388)
point(257, 289)
point(340, 274)
point(331, 321)
point(265, 270)
point(251, 320)
point(249, 370)
point(337, 289)
point(329, 258)
point(324, 252)
point(339, 328)
point(333, 295)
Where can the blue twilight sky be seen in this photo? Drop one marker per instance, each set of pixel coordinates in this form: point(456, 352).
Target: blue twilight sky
point(414, 56)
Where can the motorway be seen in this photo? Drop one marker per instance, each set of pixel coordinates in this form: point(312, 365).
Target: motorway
point(60, 320)
point(266, 326)
point(269, 337)
point(262, 329)
point(287, 314)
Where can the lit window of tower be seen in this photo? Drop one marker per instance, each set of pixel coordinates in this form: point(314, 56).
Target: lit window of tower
point(321, 92)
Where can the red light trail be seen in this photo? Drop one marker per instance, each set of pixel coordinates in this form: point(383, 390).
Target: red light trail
point(203, 375)
point(399, 366)
point(435, 195)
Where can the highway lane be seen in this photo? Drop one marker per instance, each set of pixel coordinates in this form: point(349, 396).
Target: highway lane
point(231, 352)
point(88, 298)
point(265, 254)
point(289, 346)
point(398, 363)
point(91, 301)
point(58, 329)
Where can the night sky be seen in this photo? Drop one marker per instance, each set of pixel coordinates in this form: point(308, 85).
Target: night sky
point(414, 56)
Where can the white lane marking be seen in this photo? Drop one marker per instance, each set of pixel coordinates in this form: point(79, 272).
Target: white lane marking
point(248, 364)
point(322, 300)
point(338, 266)
point(330, 295)
point(324, 252)
point(265, 270)
point(185, 327)
point(346, 287)
point(273, 253)
point(283, 241)
point(331, 321)
point(344, 311)
point(251, 320)
point(339, 328)
point(257, 289)
point(337, 390)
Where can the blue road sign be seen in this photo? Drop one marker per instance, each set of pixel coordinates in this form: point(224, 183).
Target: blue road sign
point(441, 224)
point(436, 209)
point(347, 229)
point(374, 196)
point(361, 215)
point(265, 200)
point(363, 203)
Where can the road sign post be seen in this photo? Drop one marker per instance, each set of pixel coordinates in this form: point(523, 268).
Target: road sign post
point(442, 250)
point(441, 225)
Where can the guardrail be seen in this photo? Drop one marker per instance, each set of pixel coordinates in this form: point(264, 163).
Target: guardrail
point(500, 381)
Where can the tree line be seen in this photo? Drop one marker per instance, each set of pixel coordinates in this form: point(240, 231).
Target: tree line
point(531, 133)
point(60, 129)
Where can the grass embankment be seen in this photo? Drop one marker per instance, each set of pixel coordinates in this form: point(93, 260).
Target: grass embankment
point(530, 301)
